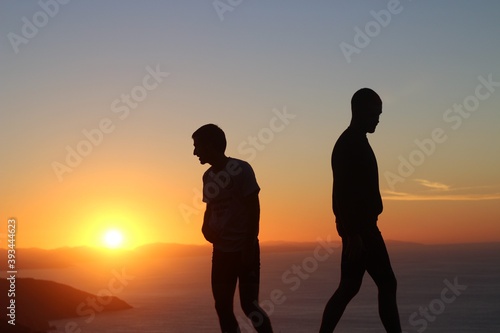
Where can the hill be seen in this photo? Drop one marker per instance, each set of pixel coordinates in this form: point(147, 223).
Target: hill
point(33, 303)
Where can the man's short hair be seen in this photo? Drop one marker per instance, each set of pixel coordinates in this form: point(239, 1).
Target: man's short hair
point(213, 135)
point(363, 99)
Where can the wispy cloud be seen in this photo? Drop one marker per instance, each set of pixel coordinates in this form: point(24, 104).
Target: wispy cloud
point(435, 191)
point(390, 195)
point(433, 185)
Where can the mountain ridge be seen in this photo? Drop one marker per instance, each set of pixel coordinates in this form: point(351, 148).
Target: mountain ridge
point(33, 303)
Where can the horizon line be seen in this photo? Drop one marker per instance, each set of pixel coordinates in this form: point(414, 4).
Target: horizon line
point(265, 243)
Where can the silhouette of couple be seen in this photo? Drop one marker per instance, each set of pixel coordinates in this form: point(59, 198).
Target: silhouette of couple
point(231, 223)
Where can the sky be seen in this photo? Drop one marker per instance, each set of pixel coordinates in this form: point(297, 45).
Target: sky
point(100, 99)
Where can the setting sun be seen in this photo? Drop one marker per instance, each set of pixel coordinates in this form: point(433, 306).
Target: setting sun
point(113, 238)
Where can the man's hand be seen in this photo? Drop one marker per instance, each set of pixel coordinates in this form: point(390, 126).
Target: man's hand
point(208, 232)
point(248, 254)
point(354, 247)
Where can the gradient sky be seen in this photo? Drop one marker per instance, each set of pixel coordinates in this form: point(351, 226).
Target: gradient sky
point(239, 67)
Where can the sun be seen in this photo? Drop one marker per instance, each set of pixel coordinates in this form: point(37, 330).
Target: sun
point(113, 238)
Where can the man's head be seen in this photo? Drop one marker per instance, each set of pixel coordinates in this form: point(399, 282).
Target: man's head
point(209, 143)
point(366, 107)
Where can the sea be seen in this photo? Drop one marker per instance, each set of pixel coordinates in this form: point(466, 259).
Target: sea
point(441, 288)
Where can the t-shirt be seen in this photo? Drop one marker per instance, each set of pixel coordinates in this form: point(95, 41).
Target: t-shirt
point(224, 191)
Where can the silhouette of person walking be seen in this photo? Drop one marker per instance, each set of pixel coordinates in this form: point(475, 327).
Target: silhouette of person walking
point(231, 224)
point(356, 203)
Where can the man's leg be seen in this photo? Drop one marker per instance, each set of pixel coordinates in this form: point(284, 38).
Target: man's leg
point(351, 277)
point(249, 280)
point(379, 268)
point(224, 277)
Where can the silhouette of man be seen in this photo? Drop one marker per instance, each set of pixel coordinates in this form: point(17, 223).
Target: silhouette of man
point(356, 203)
point(231, 224)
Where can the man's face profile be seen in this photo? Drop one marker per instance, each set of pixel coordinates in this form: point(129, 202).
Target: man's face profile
point(366, 109)
point(372, 116)
point(202, 150)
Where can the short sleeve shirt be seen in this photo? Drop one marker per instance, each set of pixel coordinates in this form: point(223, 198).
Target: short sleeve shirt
point(225, 191)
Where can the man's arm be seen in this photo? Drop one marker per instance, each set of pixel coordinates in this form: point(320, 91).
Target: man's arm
point(208, 232)
point(349, 199)
point(252, 205)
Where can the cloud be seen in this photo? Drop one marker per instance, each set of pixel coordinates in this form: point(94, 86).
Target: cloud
point(436, 191)
point(402, 196)
point(433, 185)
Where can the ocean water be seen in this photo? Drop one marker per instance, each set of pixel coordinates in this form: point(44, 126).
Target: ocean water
point(453, 288)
